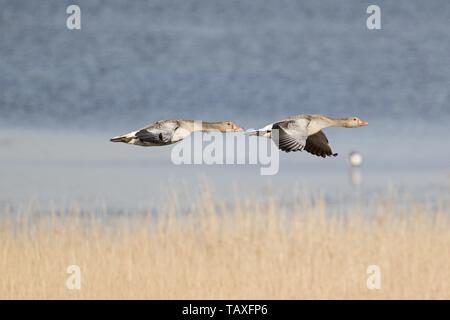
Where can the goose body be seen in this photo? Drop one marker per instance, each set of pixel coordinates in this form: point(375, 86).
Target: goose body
point(304, 132)
point(165, 132)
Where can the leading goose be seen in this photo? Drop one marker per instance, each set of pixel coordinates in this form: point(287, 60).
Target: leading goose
point(305, 132)
point(166, 132)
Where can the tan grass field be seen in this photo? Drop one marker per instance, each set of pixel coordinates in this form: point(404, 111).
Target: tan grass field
point(246, 251)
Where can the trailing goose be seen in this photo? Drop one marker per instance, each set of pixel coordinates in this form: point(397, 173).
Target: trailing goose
point(166, 132)
point(304, 132)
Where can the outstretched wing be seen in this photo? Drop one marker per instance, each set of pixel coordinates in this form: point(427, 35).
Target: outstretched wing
point(317, 144)
point(158, 133)
point(290, 135)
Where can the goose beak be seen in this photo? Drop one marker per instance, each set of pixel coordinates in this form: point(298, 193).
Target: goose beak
point(364, 123)
point(238, 128)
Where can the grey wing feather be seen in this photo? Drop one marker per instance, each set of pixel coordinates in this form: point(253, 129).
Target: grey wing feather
point(290, 135)
point(317, 144)
point(158, 133)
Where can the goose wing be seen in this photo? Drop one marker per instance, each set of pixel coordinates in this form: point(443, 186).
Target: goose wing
point(160, 132)
point(290, 135)
point(317, 144)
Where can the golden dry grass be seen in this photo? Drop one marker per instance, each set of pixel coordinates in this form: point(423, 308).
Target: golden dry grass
point(249, 251)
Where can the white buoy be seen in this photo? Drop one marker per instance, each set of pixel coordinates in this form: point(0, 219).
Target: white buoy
point(355, 159)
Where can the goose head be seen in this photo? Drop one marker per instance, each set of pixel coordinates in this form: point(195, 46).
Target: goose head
point(354, 122)
point(227, 126)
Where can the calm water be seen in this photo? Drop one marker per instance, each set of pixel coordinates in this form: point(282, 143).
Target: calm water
point(64, 93)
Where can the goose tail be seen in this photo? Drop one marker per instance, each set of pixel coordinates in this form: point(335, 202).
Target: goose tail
point(117, 139)
point(124, 138)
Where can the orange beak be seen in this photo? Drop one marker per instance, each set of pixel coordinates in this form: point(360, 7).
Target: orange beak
point(364, 123)
point(237, 128)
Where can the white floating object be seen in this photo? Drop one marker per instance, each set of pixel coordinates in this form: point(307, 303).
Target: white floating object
point(355, 159)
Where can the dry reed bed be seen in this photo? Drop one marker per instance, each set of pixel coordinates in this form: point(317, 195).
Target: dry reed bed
point(250, 251)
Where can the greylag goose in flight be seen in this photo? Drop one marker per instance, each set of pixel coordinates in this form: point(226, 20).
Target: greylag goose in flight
point(166, 132)
point(304, 132)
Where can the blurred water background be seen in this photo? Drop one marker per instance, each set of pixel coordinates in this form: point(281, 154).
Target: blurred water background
point(64, 93)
